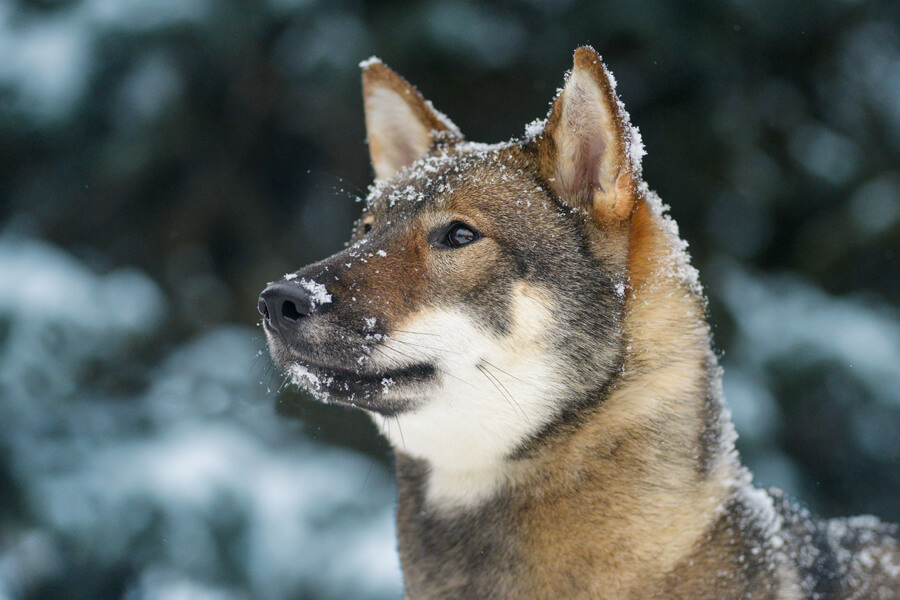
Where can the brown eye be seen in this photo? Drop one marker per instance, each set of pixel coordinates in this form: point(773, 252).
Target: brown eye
point(367, 227)
point(460, 234)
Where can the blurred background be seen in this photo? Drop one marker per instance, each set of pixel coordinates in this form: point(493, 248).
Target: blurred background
point(161, 160)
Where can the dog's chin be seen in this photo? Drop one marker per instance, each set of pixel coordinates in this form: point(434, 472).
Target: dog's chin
point(388, 392)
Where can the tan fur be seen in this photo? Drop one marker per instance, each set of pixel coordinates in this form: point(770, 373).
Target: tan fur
point(602, 469)
point(602, 464)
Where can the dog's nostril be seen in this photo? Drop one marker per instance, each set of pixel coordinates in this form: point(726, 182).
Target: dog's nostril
point(284, 305)
point(289, 311)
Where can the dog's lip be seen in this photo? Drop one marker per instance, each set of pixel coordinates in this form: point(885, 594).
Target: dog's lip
point(416, 371)
point(369, 390)
point(347, 371)
point(333, 370)
point(300, 358)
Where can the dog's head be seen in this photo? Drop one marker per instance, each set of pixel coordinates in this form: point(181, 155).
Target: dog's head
point(481, 297)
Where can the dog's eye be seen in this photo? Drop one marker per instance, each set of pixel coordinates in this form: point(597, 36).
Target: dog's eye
point(367, 223)
point(460, 234)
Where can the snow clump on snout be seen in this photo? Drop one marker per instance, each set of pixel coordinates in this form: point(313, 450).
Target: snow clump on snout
point(318, 292)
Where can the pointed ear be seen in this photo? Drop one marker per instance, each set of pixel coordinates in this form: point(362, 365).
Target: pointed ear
point(401, 125)
point(589, 152)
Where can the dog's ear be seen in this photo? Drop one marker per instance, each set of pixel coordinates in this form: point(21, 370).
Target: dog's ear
point(400, 124)
point(588, 149)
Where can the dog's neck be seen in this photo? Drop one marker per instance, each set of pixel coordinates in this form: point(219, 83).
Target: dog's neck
point(658, 446)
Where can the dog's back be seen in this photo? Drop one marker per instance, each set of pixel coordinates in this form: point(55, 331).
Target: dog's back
point(523, 323)
point(857, 557)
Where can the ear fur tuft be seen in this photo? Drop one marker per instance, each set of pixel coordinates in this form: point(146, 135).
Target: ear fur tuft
point(590, 154)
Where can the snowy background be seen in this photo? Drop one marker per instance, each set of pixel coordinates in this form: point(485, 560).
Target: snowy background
point(161, 160)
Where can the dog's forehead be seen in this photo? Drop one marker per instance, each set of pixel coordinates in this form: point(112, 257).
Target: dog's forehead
point(436, 180)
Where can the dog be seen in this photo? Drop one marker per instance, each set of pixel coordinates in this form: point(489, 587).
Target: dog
point(523, 323)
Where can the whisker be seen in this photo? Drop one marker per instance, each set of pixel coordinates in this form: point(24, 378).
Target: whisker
point(417, 332)
point(381, 350)
point(382, 347)
point(495, 383)
point(393, 359)
point(255, 362)
point(393, 339)
point(400, 429)
point(502, 371)
point(411, 357)
point(284, 381)
point(510, 399)
point(400, 352)
point(368, 474)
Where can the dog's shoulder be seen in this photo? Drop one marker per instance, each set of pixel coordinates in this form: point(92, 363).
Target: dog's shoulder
point(767, 545)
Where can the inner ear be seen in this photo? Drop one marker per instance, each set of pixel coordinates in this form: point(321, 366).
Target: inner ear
point(585, 145)
point(586, 140)
point(397, 137)
point(401, 125)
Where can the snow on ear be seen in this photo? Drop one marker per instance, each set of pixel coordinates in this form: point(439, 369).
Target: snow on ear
point(590, 153)
point(400, 124)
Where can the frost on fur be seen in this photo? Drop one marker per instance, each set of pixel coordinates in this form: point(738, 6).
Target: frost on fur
point(678, 265)
point(535, 128)
point(372, 60)
point(306, 379)
point(318, 293)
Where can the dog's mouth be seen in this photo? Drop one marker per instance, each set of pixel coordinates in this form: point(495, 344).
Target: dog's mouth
point(387, 392)
point(342, 366)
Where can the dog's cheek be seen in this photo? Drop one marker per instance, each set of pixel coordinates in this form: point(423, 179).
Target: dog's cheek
point(477, 281)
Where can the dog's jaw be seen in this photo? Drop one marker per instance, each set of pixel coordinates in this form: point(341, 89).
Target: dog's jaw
point(493, 394)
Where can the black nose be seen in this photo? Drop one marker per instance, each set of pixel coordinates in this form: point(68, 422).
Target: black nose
point(284, 304)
